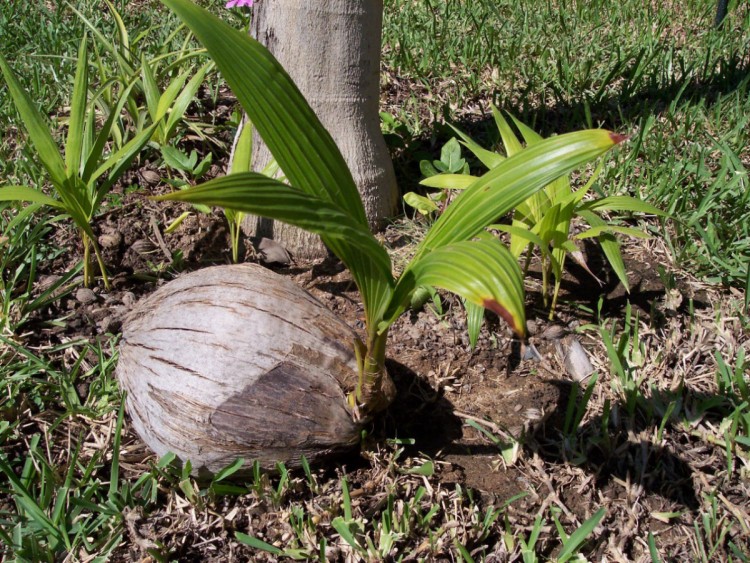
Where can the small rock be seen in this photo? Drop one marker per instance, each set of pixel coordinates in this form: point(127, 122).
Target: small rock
point(554, 332)
point(85, 296)
point(143, 246)
point(574, 358)
point(273, 253)
point(110, 240)
point(150, 177)
point(128, 299)
point(109, 325)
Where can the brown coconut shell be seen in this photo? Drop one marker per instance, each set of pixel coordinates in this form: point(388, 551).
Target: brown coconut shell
point(237, 361)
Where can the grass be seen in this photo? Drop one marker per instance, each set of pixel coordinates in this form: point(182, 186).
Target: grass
point(667, 414)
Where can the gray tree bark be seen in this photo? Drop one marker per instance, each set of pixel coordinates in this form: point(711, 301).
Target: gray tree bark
point(331, 49)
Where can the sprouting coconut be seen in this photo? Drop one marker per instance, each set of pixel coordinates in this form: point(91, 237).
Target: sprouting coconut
point(237, 362)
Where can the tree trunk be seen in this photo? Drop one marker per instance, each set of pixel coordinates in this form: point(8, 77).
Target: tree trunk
point(331, 49)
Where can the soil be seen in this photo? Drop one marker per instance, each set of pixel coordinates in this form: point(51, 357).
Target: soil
point(447, 392)
point(494, 423)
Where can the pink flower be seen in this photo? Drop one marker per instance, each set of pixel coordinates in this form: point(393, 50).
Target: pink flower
point(239, 3)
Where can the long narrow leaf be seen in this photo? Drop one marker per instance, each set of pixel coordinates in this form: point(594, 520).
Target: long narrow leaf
point(185, 99)
point(74, 142)
point(97, 150)
point(119, 162)
point(623, 203)
point(488, 158)
point(36, 126)
point(25, 193)
point(474, 318)
point(255, 193)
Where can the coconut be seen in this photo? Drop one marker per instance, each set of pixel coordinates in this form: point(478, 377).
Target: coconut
point(238, 361)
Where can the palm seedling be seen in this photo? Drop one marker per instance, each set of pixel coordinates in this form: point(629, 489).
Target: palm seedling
point(237, 361)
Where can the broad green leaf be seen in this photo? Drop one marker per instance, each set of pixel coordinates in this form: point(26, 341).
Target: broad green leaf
point(488, 158)
point(303, 148)
point(483, 272)
point(449, 181)
point(622, 203)
point(513, 181)
point(25, 193)
point(421, 203)
point(175, 158)
point(35, 125)
point(450, 156)
point(74, 143)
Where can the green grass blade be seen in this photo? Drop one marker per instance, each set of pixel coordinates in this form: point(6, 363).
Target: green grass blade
point(32, 509)
point(298, 141)
point(512, 182)
point(610, 246)
point(74, 143)
point(483, 272)
point(597, 231)
point(578, 537)
point(36, 127)
point(258, 544)
point(25, 193)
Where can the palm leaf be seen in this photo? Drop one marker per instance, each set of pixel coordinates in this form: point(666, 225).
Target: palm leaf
point(513, 181)
point(303, 148)
point(483, 272)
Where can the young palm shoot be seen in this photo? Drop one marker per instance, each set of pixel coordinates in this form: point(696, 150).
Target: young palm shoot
point(87, 172)
point(321, 196)
point(545, 219)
